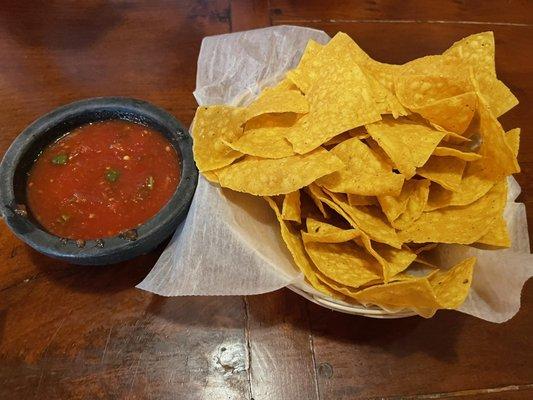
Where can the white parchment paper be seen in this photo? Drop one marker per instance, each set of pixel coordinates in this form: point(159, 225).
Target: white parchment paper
point(229, 244)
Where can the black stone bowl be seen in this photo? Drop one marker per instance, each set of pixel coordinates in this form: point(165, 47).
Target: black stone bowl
point(27, 146)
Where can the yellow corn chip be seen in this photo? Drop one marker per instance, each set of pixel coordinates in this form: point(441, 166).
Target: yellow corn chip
point(302, 76)
point(408, 144)
point(498, 235)
point(451, 287)
point(286, 84)
point(369, 220)
point(498, 97)
point(338, 139)
point(318, 231)
point(280, 120)
point(450, 151)
point(476, 52)
point(316, 194)
point(264, 177)
point(341, 101)
point(494, 146)
point(294, 244)
point(263, 142)
point(415, 294)
point(358, 200)
point(394, 206)
point(277, 101)
point(416, 203)
point(446, 171)
point(463, 225)
point(319, 196)
point(450, 137)
point(365, 172)
point(512, 138)
point(211, 126)
point(211, 176)
point(392, 260)
point(345, 263)
point(453, 113)
point(291, 207)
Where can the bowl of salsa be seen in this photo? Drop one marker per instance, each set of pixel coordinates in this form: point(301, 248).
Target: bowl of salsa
point(98, 181)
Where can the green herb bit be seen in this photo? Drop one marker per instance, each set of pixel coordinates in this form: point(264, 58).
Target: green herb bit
point(60, 159)
point(150, 182)
point(111, 175)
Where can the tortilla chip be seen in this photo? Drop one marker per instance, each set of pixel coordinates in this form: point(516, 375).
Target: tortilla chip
point(286, 84)
point(498, 97)
point(281, 120)
point(451, 287)
point(414, 294)
point(392, 260)
point(358, 200)
point(394, 206)
point(277, 101)
point(446, 171)
point(451, 152)
point(294, 244)
point(338, 139)
point(438, 197)
point(463, 225)
point(369, 220)
point(316, 194)
point(365, 172)
point(319, 196)
point(318, 231)
point(512, 137)
point(494, 146)
point(211, 176)
point(211, 126)
point(263, 142)
point(345, 263)
point(476, 52)
point(302, 76)
point(416, 203)
point(264, 177)
point(291, 207)
point(419, 87)
point(340, 102)
point(408, 144)
point(453, 114)
point(498, 235)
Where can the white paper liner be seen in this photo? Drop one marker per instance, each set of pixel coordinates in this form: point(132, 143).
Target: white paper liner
point(230, 244)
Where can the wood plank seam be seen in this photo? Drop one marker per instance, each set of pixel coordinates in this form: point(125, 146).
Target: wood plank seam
point(468, 392)
point(397, 21)
point(312, 350)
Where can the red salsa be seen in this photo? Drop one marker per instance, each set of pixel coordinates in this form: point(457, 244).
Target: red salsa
point(102, 179)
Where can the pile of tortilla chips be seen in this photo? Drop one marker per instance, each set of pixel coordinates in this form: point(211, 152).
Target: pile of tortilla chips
point(368, 166)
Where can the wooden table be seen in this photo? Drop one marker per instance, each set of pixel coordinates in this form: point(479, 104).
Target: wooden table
point(70, 332)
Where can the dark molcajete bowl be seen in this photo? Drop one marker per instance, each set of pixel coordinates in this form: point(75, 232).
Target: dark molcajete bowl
point(23, 151)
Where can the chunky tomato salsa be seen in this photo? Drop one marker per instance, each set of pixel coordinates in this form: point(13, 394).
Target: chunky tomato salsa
point(102, 179)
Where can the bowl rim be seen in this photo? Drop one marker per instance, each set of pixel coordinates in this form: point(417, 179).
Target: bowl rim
point(116, 247)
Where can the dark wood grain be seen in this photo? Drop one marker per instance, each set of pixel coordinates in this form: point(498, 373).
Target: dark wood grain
point(447, 353)
point(87, 333)
point(90, 334)
point(282, 364)
point(249, 14)
point(439, 11)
